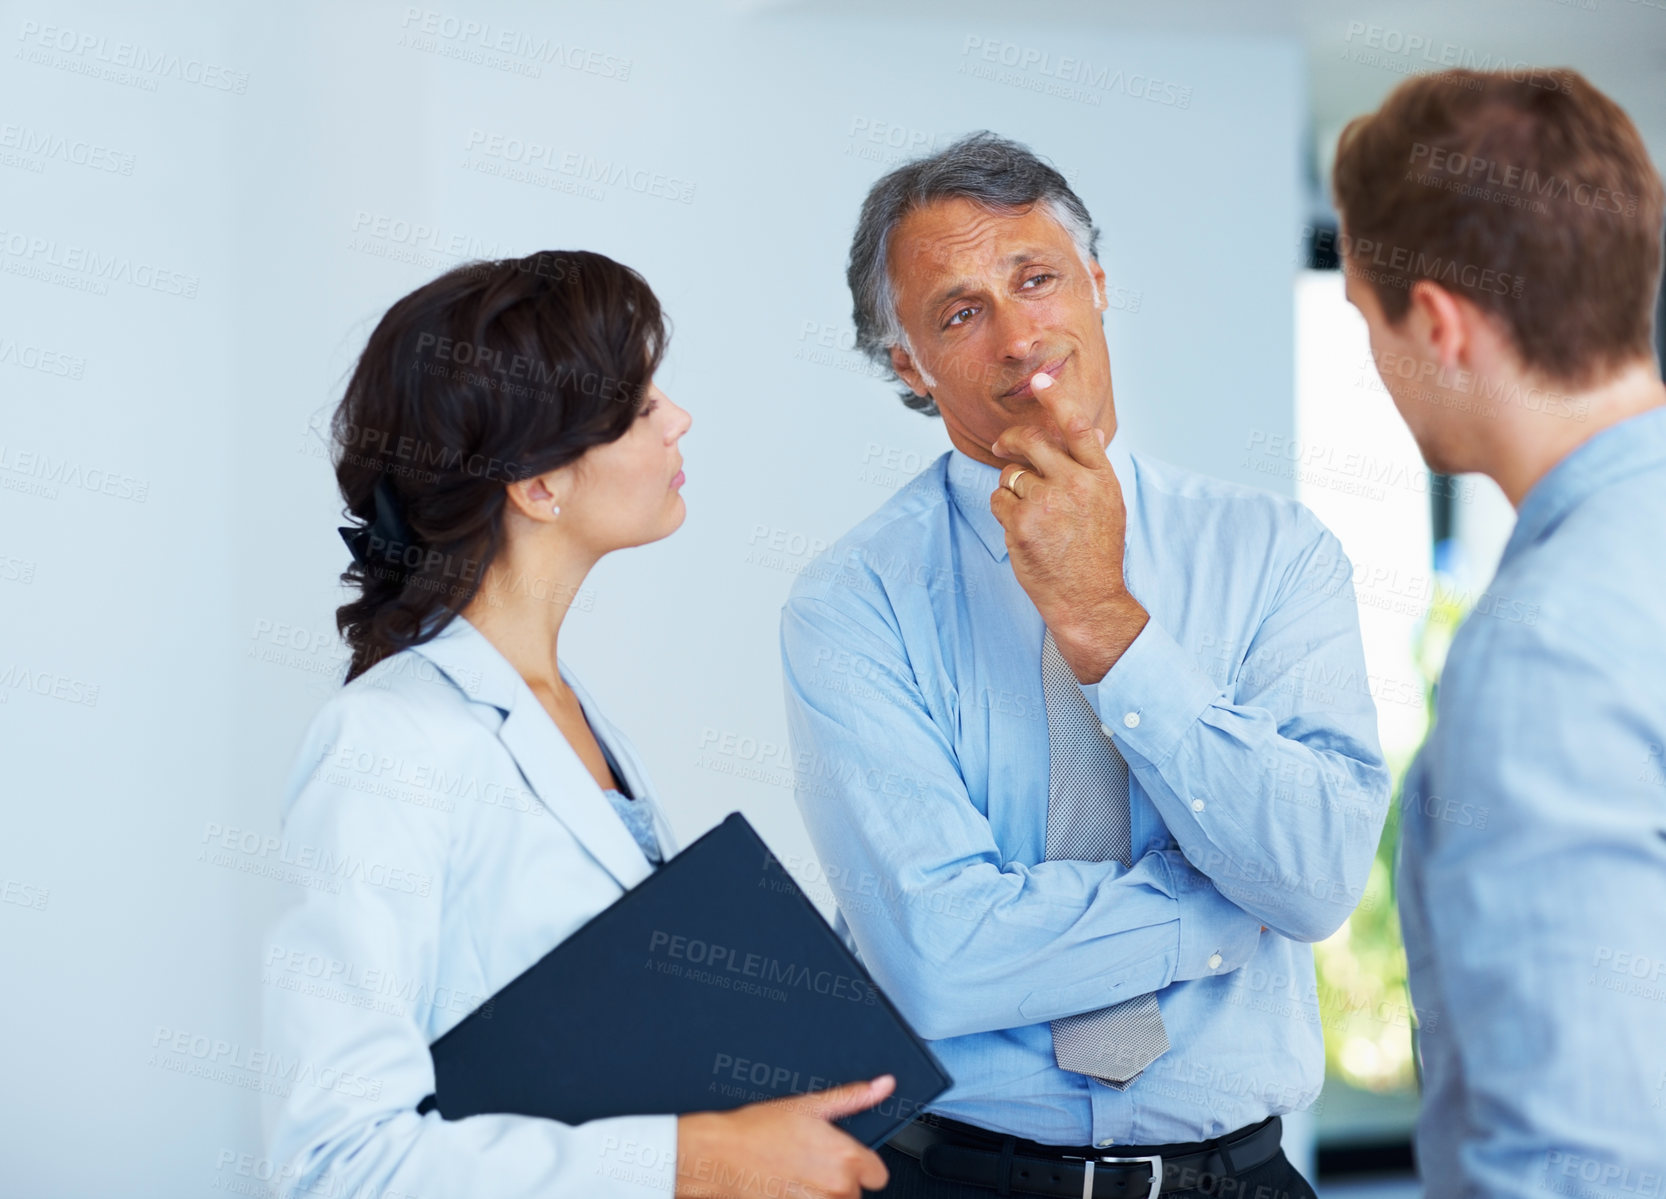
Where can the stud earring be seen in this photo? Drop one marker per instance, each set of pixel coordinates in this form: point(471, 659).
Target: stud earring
point(555, 509)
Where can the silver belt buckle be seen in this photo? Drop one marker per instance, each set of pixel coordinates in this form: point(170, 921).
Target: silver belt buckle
point(1154, 1160)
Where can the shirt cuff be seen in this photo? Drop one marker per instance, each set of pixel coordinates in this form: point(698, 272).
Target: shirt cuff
point(1216, 935)
point(1152, 695)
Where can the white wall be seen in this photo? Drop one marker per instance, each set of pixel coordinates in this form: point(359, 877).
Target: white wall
point(167, 520)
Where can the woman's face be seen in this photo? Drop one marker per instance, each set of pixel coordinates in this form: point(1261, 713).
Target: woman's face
point(627, 492)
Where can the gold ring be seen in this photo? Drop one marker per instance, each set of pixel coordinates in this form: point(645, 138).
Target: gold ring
point(1012, 483)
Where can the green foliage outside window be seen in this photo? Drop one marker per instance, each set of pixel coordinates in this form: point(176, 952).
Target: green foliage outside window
point(1364, 1005)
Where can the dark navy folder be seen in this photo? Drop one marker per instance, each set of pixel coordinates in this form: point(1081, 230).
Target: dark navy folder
point(712, 984)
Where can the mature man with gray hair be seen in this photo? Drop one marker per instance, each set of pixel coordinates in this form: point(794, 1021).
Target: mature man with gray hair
point(1059, 741)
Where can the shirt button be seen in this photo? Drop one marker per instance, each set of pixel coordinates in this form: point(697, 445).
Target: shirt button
point(1214, 961)
point(1132, 720)
point(1105, 1142)
point(1197, 805)
point(1106, 729)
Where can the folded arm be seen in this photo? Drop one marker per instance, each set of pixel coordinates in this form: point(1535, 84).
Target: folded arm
point(961, 939)
point(1276, 790)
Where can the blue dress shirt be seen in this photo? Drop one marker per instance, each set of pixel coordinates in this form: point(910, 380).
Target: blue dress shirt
point(912, 662)
point(1533, 852)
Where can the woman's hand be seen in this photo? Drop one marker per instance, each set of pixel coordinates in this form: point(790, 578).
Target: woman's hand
point(781, 1147)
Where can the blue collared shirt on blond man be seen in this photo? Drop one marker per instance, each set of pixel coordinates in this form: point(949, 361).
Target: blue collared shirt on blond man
point(912, 659)
point(1533, 853)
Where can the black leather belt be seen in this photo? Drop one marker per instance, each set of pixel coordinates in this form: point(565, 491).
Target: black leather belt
point(957, 1152)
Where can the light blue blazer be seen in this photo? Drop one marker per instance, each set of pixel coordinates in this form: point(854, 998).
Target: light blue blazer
point(447, 836)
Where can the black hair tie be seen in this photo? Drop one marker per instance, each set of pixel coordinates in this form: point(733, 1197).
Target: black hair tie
point(386, 538)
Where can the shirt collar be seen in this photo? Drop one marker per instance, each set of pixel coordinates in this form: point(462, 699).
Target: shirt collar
point(971, 482)
point(1635, 444)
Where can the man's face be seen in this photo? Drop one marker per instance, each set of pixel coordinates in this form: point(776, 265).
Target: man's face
point(1408, 368)
point(987, 299)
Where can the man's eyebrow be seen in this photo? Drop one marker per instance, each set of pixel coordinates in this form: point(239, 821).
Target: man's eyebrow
point(961, 287)
point(957, 288)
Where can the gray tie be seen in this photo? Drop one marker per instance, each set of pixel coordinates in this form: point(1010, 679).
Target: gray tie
point(1088, 820)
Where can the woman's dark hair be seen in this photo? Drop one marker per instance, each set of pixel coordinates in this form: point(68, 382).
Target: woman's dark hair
point(495, 371)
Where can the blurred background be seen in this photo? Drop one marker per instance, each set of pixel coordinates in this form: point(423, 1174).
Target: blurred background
point(205, 208)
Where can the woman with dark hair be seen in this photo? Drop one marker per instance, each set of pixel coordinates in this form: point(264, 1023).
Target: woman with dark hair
point(461, 804)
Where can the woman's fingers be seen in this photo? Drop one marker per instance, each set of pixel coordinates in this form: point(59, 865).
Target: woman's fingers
point(839, 1101)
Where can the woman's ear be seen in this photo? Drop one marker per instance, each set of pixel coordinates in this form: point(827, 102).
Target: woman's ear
point(537, 497)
